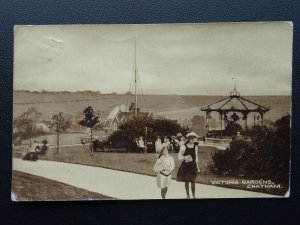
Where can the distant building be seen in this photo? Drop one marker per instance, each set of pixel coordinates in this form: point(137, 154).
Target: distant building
point(123, 117)
point(119, 116)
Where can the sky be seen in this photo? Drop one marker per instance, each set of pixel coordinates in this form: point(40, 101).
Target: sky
point(182, 59)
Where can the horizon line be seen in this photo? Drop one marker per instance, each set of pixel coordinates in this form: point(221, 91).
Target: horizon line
point(145, 94)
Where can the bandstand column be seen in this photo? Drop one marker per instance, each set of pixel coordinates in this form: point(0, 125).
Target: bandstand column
point(206, 125)
point(246, 123)
point(221, 124)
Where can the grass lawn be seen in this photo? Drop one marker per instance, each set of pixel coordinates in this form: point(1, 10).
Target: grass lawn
point(34, 188)
point(136, 163)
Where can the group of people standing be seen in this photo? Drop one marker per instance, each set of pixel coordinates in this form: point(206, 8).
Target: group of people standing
point(187, 155)
point(140, 144)
point(172, 144)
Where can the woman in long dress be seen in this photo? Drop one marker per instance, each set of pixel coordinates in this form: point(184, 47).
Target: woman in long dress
point(163, 167)
point(187, 172)
point(32, 154)
point(158, 145)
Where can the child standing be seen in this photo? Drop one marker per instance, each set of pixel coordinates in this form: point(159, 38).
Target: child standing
point(163, 167)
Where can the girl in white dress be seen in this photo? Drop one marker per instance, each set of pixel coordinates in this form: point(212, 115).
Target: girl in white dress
point(163, 167)
point(158, 145)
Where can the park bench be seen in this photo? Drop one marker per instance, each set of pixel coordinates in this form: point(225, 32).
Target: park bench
point(43, 152)
point(38, 154)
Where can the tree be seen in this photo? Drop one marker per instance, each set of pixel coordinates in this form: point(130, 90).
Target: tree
point(232, 128)
point(60, 122)
point(90, 120)
point(231, 125)
point(25, 123)
point(136, 127)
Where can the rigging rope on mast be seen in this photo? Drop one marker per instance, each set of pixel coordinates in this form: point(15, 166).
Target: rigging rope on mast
point(130, 91)
point(135, 80)
point(141, 89)
point(135, 87)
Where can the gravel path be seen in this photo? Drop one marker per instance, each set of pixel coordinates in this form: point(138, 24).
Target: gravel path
point(121, 185)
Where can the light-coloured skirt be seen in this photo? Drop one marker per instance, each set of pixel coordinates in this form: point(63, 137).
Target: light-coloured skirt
point(163, 180)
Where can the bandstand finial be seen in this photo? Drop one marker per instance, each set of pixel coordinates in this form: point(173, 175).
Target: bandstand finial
point(234, 84)
point(234, 93)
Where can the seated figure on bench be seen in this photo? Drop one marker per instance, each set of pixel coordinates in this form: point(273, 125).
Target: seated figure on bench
point(44, 149)
point(36, 151)
point(32, 155)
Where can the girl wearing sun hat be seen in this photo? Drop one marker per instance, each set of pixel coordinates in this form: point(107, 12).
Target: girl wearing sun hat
point(188, 169)
point(163, 167)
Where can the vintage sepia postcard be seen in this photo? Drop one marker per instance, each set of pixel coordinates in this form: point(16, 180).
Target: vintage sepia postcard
point(160, 111)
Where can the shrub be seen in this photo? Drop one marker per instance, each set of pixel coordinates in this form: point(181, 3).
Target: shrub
point(232, 128)
point(134, 128)
point(265, 156)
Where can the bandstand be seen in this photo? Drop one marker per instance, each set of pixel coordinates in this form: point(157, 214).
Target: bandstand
point(232, 106)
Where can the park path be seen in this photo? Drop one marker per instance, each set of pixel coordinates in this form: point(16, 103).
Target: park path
point(118, 184)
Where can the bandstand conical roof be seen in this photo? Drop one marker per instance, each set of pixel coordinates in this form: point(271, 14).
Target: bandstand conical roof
point(235, 103)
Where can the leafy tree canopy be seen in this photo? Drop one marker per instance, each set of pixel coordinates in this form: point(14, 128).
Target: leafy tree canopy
point(60, 122)
point(90, 119)
point(26, 123)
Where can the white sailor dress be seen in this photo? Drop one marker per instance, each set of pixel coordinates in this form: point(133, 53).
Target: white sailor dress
point(164, 167)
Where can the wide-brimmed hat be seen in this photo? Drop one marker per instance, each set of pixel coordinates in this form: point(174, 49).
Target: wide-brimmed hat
point(179, 135)
point(192, 134)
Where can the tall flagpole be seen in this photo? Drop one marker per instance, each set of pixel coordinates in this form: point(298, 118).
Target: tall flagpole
point(135, 81)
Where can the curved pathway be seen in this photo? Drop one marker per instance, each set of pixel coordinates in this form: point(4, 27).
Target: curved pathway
point(118, 184)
